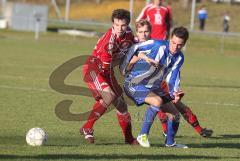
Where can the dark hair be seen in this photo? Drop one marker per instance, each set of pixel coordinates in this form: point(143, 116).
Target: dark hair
point(181, 32)
point(121, 14)
point(143, 22)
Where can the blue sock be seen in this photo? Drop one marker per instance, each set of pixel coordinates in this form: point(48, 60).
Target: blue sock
point(172, 126)
point(150, 114)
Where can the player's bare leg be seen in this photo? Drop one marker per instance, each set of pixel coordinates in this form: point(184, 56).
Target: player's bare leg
point(154, 100)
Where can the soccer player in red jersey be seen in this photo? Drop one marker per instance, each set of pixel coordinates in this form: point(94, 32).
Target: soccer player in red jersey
point(160, 18)
point(99, 75)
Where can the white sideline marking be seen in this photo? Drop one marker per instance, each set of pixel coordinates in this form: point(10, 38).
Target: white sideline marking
point(20, 77)
point(215, 103)
point(46, 90)
point(27, 66)
point(24, 88)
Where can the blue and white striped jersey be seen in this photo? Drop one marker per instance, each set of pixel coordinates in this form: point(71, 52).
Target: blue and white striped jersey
point(148, 75)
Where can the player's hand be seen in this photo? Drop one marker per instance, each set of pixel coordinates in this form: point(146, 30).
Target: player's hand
point(178, 96)
point(106, 73)
point(152, 62)
point(105, 66)
point(105, 70)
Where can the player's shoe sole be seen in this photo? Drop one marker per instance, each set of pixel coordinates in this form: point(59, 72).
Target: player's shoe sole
point(143, 140)
point(175, 145)
point(88, 135)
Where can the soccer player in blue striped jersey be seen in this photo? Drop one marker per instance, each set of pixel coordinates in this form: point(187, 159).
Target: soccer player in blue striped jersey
point(143, 31)
point(157, 61)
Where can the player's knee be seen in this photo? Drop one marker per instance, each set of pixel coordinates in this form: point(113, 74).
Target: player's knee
point(120, 105)
point(162, 116)
point(153, 100)
point(103, 103)
point(174, 117)
point(108, 95)
point(109, 99)
point(157, 102)
point(177, 117)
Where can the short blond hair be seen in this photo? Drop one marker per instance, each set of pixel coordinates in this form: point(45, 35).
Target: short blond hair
point(142, 23)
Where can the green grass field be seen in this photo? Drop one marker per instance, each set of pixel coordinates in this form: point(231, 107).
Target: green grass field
point(210, 78)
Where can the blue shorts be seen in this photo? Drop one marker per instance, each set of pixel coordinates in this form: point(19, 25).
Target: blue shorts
point(139, 92)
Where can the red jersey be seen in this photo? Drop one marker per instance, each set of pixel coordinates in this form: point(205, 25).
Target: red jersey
point(160, 19)
point(110, 47)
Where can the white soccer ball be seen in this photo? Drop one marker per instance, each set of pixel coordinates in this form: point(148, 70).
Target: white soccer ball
point(36, 137)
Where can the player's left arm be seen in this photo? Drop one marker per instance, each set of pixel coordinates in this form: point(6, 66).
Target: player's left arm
point(142, 55)
point(124, 66)
point(173, 80)
point(178, 94)
point(132, 55)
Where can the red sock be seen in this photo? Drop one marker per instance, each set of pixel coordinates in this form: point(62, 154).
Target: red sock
point(125, 123)
point(163, 118)
point(192, 120)
point(96, 113)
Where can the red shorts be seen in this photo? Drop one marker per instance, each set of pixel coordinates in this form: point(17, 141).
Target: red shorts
point(97, 79)
point(164, 86)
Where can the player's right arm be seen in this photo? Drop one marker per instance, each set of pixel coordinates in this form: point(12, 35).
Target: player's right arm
point(132, 62)
point(133, 55)
point(124, 66)
point(141, 55)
